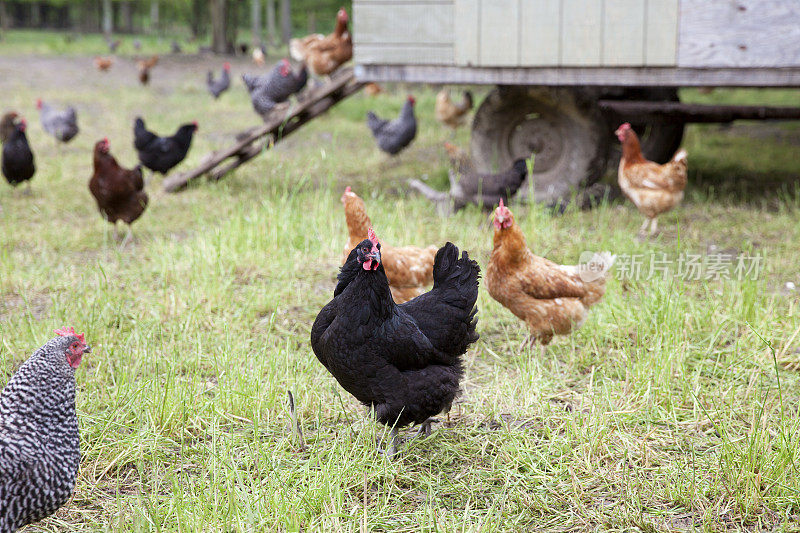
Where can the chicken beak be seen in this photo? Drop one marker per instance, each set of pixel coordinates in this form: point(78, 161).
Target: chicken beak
point(375, 256)
point(87, 349)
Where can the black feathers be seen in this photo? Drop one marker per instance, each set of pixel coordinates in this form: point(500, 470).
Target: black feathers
point(17, 160)
point(403, 360)
point(161, 154)
point(393, 136)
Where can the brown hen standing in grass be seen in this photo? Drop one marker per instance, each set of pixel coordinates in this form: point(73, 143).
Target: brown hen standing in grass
point(144, 66)
point(449, 113)
point(551, 299)
point(408, 268)
point(119, 192)
point(653, 188)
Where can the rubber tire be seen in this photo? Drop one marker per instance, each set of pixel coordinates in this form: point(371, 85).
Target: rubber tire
point(562, 126)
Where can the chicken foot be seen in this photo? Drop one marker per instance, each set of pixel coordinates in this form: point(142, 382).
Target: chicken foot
point(425, 428)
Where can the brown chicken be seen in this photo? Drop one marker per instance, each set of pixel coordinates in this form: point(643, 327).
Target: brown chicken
point(408, 268)
point(452, 114)
point(119, 192)
point(653, 188)
point(551, 299)
point(103, 63)
point(144, 66)
point(8, 125)
point(324, 54)
point(372, 89)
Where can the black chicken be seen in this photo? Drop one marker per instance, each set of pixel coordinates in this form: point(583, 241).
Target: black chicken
point(219, 86)
point(17, 161)
point(275, 87)
point(39, 441)
point(161, 154)
point(394, 135)
point(403, 360)
point(467, 185)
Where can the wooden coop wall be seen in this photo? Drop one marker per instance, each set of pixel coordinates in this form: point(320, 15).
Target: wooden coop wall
point(578, 33)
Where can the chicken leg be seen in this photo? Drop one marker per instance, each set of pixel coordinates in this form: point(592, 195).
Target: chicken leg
point(653, 226)
point(391, 450)
point(644, 226)
point(128, 236)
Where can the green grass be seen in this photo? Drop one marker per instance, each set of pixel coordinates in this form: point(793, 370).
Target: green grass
point(75, 43)
point(671, 409)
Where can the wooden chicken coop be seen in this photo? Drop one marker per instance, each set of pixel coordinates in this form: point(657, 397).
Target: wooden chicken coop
point(568, 72)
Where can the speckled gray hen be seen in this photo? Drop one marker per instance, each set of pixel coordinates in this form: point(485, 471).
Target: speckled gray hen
point(39, 441)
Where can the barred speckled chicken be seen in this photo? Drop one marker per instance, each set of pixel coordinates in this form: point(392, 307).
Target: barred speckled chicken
point(39, 441)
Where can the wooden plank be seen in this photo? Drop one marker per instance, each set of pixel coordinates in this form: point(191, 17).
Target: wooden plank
point(404, 23)
point(581, 32)
point(618, 76)
point(467, 32)
point(623, 32)
point(661, 32)
point(540, 39)
point(499, 32)
point(622, 110)
point(281, 122)
point(741, 33)
point(406, 54)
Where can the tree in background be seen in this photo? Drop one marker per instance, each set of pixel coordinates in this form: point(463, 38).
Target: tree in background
point(215, 20)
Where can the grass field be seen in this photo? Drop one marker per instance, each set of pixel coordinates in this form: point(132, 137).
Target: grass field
point(674, 408)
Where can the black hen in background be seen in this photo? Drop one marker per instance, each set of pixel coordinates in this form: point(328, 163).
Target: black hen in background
point(17, 160)
point(467, 185)
point(161, 154)
point(403, 360)
point(392, 136)
point(63, 125)
point(39, 440)
point(219, 86)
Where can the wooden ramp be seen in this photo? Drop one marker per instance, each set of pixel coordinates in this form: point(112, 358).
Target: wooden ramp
point(280, 123)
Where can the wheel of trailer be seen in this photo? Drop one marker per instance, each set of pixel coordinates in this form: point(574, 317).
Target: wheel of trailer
point(562, 127)
point(659, 140)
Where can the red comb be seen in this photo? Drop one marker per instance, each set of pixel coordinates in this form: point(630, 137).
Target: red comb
point(69, 331)
point(348, 189)
point(371, 236)
point(501, 203)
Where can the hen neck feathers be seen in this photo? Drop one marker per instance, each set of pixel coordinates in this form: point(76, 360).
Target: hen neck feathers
point(509, 244)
